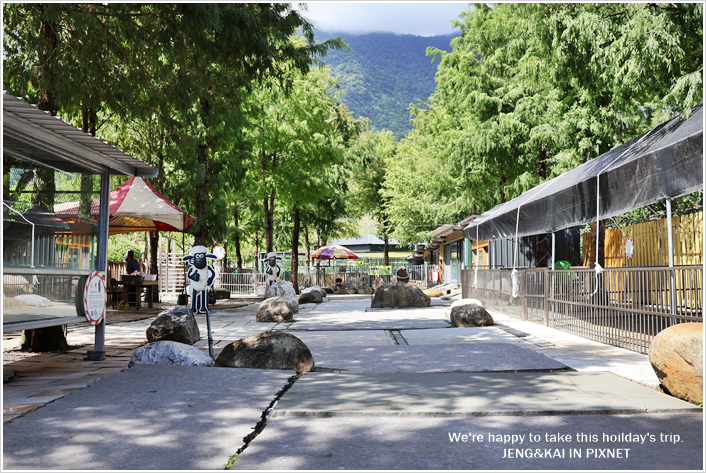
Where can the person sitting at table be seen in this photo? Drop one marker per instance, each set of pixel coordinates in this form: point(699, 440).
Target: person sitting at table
point(132, 264)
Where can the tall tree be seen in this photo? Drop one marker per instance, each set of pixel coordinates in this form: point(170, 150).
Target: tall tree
point(373, 151)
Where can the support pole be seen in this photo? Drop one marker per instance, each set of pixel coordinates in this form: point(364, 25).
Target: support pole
point(98, 352)
point(546, 299)
point(670, 250)
point(208, 324)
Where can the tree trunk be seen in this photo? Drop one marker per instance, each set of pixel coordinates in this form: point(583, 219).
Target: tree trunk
point(318, 245)
point(257, 251)
point(48, 55)
point(50, 338)
point(295, 252)
point(201, 198)
point(269, 205)
point(387, 251)
point(308, 248)
point(153, 243)
point(44, 339)
point(238, 256)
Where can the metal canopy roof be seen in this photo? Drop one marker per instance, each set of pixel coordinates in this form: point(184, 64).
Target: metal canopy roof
point(666, 162)
point(34, 135)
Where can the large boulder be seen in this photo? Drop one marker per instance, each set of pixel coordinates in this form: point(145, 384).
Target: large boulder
point(466, 301)
point(33, 300)
point(275, 310)
point(170, 353)
point(433, 292)
point(310, 297)
point(470, 314)
point(347, 290)
point(12, 303)
point(314, 289)
point(328, 290)
point(268, 351)
point(286, 290)
point(177, 324)
point(676, 355)
point(222, 294)
point(399, 295)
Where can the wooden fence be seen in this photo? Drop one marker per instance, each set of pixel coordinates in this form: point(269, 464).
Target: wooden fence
point(650, 241)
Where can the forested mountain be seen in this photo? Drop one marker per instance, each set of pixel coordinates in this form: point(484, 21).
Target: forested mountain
point(383, 73)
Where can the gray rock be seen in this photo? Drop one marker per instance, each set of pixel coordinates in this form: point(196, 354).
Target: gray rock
point(314, 289)
point(275, 310)
point(366, 290)
point(268, 351)
point(177, 324)
point(33, 300)
point(328, 290)
point(222, 294)
point(12, 303)
point(348, 290)
point(309, 297)
point(470, 315)
point(466, 302)
point(170, 353)
point(286, 290)
point(399, 295)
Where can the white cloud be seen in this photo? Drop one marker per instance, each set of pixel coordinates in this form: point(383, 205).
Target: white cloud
point(422, 19)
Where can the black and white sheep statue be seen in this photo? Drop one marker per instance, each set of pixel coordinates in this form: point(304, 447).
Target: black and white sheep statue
point(201, 275)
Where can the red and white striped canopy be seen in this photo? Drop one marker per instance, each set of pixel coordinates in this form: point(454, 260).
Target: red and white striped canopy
point(135, 206)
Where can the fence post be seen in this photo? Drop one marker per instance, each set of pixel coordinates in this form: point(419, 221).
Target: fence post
point(523, 288)
point(547, 282)
point(672, 280)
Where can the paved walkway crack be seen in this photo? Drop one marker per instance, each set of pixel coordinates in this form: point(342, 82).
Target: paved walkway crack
point(264, 419)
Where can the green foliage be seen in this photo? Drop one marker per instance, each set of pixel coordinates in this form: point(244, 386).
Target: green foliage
point(118, 246)
point(533, 90)
point(383, 73)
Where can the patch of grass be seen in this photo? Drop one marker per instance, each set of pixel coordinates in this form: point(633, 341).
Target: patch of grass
point(231, 462)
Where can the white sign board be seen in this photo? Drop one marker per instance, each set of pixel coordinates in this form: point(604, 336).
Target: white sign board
point(95, 298)
point(629, 248)
point(220, 252)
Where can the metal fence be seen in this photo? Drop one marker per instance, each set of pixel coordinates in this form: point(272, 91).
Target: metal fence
point(242, 283)
point(248, 281)
point(624, 307)
point(54, 288)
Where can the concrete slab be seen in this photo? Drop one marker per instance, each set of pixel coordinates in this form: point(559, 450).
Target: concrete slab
point(147, 417)
point(471, 394)
point(583, 354)
point(362, 338)
point(460, 335)
point(423, 443)
point(431, 358)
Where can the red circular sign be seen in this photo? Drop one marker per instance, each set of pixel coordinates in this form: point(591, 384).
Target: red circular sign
point(95, 298)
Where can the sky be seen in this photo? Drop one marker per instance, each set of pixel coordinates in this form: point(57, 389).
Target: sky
point(417, 18)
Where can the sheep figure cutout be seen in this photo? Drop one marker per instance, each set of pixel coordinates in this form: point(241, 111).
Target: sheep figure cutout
point(201, 275)
point(273, 270)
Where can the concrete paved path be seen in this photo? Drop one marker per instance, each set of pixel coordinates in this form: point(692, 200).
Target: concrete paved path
point(471, 394)
point(399, 443)
point(117, 423)
point(431, 358)
point(356, 314)
point(149, 417)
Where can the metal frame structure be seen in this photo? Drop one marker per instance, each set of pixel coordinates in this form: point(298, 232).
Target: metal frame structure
point(35, 136)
